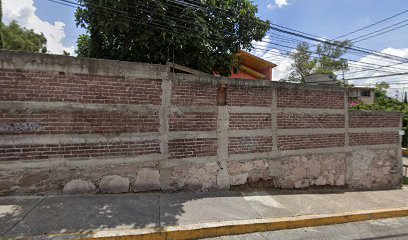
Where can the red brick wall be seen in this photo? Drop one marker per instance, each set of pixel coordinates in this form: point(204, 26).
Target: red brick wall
point(193, 121)
point(373, 119)
point(196, 147)
point(373, 138)
point(249, 144)
point(310, 141)
point(78, 122)
point(293, 120)
point(249, 96)
point(52, 87)
point(307, 98)
point(249, 121)
point(85, 150)
point(193, 93)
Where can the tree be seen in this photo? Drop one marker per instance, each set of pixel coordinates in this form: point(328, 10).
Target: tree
point(328, 60)
point(83, 46)
point(405, 98)
point(17, 38)
point(1, 26)
point(200, 35)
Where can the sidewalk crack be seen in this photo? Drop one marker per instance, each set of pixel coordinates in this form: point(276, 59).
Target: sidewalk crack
point(32, 209)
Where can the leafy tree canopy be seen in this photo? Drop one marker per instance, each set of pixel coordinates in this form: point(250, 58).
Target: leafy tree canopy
point(16, 37)
point(201, 35)
point(328, 60)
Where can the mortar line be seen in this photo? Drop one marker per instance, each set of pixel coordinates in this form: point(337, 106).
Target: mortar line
point(32, 209)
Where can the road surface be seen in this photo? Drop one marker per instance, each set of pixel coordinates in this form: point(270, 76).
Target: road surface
point(393, 228)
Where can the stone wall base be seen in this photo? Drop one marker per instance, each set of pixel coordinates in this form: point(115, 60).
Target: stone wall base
point(362, 169)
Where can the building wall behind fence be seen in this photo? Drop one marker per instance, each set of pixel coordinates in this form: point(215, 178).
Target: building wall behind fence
point(65, 118)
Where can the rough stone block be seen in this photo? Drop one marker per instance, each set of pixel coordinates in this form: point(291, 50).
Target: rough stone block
point(79, 186)
point(147, 180)
point(114, 184)
point(239, 179)
point(223, 179)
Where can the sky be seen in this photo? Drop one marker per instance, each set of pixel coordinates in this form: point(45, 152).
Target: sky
point(327, 19)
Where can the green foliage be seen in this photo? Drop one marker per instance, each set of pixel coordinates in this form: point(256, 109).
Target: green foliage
point(17, 38)
point(153, 31)
point(1, 26)
point(328, 61)
point(385, 103)
point(83, 46)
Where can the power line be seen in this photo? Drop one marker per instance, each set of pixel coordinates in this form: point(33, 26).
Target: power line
point(373, 24)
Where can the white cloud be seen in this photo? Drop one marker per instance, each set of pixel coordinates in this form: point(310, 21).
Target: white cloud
point(281, 3)
point(270, 6)
point(283, 62)
point(374, 62)
point(23, 11)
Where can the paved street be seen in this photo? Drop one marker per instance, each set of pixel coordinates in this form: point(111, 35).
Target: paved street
point(393, 228)
point(33, 216)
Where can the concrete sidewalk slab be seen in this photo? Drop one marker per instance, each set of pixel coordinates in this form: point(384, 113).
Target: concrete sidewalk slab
point(14, 209)
point(67, 214)
point(193, 208)
point(152, 211)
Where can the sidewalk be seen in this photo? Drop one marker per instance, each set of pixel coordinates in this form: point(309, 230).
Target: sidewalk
point(35, 216)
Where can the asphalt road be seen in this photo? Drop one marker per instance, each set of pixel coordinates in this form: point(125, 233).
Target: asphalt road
point(393, 228)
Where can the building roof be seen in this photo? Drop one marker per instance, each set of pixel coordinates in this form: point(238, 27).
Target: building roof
point(255, 63)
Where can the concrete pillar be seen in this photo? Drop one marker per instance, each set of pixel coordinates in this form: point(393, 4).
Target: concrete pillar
point(164, 113)
point(223, 178)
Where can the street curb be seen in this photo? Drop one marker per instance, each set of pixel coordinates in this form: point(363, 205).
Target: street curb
point(224, 228)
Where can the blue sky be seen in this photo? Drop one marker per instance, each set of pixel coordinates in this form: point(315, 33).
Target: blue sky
point(325, 18)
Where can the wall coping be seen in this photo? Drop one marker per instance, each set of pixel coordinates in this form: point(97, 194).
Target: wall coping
point(73, 65)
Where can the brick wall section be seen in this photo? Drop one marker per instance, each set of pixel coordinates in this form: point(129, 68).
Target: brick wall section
point(249, 121)
point(88, 150)
point(307, 98)
point(240, 145)
point(310, 141)
point(83, 88)
point(249, 96)
point(293, 120)
point(373, 138)
point(78, 122)
point(193, 121)
point(373, 119)
point(193, 93)
point(196, 147)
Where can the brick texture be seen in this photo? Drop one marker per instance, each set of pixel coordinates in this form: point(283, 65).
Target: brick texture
point(307, 98)
point(373, 138)
point(192, 93)
point(50, 86)
point(191, 121)
point(249, 121)
point(197, 147)
point(293, 120)
point(37, 152)
point(249, 96)
point(373, 119)
point(239, 145)
point(310, 141)
point(77, 122)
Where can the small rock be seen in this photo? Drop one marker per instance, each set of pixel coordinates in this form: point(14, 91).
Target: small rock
point(320, 181)
point(330, 179)
point(114, 184)
point(79, 186)
point(239, 179)
point(147, 180)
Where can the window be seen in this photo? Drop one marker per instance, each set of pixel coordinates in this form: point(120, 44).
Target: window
point(365, 93)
